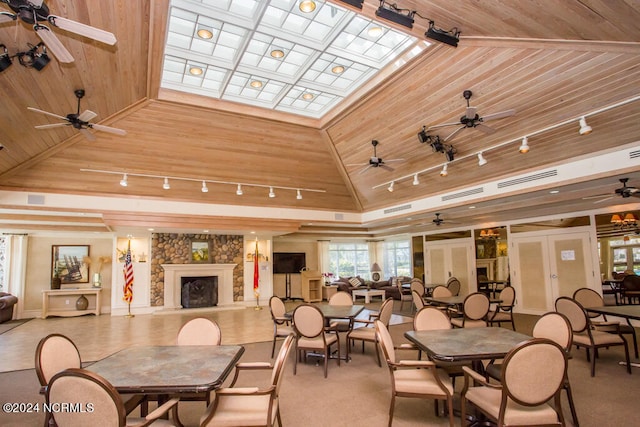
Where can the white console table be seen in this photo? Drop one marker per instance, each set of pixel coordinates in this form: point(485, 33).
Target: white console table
point(62, 302)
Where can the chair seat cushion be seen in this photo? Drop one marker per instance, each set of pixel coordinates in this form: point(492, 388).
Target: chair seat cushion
point(458, 321)
point(284, 331)
point(599, 338)
point(363, 333)
point(316, 343)
point(489, 401)
point(500, 316)
point(421, 381)
point(242, 411)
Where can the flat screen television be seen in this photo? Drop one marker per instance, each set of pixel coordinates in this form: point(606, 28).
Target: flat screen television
point(288, 262)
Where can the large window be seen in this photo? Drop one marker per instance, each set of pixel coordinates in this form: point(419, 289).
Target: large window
point(626, 258)
point(349, 259)
point(397, 258)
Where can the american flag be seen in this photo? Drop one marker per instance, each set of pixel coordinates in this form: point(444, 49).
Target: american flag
point(128, 276)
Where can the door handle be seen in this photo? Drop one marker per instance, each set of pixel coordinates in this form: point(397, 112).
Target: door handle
point(554, 276)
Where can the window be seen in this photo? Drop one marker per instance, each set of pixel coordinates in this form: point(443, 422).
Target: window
point(349, 259)
point(397, 258)
point(626, 258)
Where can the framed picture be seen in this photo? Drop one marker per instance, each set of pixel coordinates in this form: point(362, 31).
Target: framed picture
point(70, 263)
point(200, 251)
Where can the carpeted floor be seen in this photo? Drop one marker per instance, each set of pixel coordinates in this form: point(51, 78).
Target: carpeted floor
point(358, 393)
point(7, 326)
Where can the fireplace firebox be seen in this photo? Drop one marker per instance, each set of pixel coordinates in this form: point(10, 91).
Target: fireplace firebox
point(197, 292)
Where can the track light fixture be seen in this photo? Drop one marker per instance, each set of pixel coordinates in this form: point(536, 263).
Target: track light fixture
point(123, 181)
point(271, 193)
point(450, 152)
point(481, 160)
point(166, 185)
point(394, 14)
point(239, 190)
point(444, 172)
point(416, 181)
point(33, 58)
point(585, 129)
point(355, 3)
point(298, 195)
point(390, 188)
point(524, 147)
point(204, 188)
point(450, 37)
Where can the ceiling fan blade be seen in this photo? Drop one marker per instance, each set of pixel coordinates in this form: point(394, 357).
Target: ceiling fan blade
point(484, 128)
point(452, 134)
point(83, 29)
point(443, 125)
point(364, 169)
point(7, 17)
point(604, 200)
point(87, 115)
point(597, 196)
point(500, 115)
point(114, 131)
point(383, 166)
point(88, 135)
point(394, 160)
point(54, 125)
point(47, 113)
point(471, 112)
point(54, 45)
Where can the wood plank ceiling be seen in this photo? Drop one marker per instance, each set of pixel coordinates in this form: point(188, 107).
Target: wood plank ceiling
point(550, 61)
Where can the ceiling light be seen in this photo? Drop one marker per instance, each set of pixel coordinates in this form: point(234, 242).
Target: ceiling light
point(524, 147)
point(204, 188)
point(390, 188)
point(450, 152)
point(239, 190)
point(277, 53)
point(271, 193)
point(374, 31)
point(444, 172)
point(166, 185)
point(34, 59)
point(424, 137)
point(196, 71)
point(123, 181)
point(256, 84)
point(447, 37)
point(397, 17)
point(307, 6)
point(338, 69)
point(416, 181)
point(205, 33)
point(308, 96)
point(354, 3)
point(554, 191)
point(298, 195)
point(5, 59)
point(585, 129)
point(481, 160)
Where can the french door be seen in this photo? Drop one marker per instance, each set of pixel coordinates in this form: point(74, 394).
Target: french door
point(451, 258)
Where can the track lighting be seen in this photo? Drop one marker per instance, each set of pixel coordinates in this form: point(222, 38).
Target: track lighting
point(450, 152)
point(481, 160)
point(524, 147)
point(271, 193)
point(444, 172)
point(585, 129)
point(450, 37)
point(395, 15)
point(5, 59)
point(204, 188)
point(416, 181)
point(390, 188)
point(298, 195)
point(33, 58)
point(239, 190)
point(166, 185)
point(123, 181)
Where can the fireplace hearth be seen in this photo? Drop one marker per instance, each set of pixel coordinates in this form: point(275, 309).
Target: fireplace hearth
point(198, 292)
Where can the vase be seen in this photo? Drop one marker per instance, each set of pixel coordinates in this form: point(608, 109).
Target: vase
point(82, 303)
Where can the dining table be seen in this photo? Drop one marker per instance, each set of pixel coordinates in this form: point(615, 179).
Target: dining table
point(628, 312)
point(613, 287)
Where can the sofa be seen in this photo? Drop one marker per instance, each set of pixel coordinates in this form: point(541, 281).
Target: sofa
point(7, 301)
point(389, 286)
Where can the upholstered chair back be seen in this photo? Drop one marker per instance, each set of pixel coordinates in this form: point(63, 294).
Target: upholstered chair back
point(341, 298)
point(431, 318)
point(441, 291)
point(199, 331)
point(54, 354)
point(556, 327)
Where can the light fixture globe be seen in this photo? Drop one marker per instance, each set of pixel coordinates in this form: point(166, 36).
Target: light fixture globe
point(307, 6)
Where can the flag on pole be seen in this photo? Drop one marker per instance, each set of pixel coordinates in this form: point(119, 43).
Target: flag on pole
point(128, 276)
point(256, 272)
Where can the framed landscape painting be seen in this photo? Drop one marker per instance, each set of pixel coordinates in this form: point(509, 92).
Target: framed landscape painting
point(69, 263)
point(200, 251)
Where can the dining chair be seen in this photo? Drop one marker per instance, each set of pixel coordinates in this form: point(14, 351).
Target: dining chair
point(474, 312)
point(630, 289)
point(585, 335)
point(454, 286)
point(533, 373)
point(281, 324)
point(503, 312)
point(82, 387)
point(342, 298)
point(430, 318)
point(555, 327)
point(405, 293)
point(55, 353)
point(418, 302)
point(199, 331)
point(309, 325)
point(367, 333)
point(414, 378)
point(418, 286)
point(440, 291)
point(590, 298)
point(250, 406)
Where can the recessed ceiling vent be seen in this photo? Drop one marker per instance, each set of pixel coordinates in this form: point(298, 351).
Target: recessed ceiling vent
point(634, 154)
point(463, 194)
point(339, 217)
point(397, 208)
point(35, 199)
point(528, 178)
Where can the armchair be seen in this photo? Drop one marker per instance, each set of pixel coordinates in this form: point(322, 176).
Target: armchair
point(7, 301)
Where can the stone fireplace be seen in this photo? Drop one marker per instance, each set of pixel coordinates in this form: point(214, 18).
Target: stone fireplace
point(173, 274)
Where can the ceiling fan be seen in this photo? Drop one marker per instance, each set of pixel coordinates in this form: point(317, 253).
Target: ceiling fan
point(375, 161)
point(625, 191)
point(437, 221)
point(79, 120)
point(33, 12)
point(471, 119)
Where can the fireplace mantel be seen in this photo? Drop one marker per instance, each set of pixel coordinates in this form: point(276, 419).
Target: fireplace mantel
point(173, 274)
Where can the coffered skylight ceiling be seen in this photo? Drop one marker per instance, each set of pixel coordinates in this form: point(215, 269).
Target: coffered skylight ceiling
point(228, 49)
